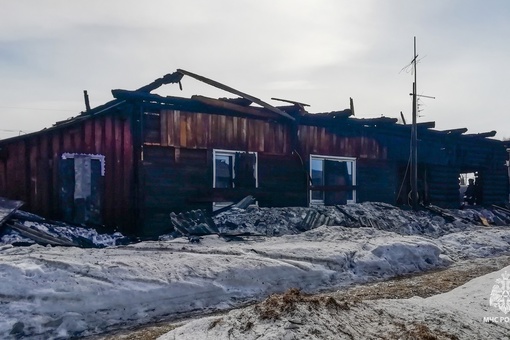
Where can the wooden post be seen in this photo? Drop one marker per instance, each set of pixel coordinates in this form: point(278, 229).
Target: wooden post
point(414, 142)
point(87, 103)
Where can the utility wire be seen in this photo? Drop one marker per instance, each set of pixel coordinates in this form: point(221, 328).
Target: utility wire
point(31, 108)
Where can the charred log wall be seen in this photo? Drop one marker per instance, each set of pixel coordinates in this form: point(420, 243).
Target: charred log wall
point(377, 180)
point(29, 170)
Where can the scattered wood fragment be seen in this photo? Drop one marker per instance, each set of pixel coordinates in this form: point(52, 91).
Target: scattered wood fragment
point(39, 236)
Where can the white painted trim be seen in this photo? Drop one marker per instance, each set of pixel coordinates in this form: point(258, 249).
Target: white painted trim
point(232, 153)
point(100, 158)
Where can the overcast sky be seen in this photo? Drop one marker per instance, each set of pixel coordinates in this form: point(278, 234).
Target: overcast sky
point(319, 52)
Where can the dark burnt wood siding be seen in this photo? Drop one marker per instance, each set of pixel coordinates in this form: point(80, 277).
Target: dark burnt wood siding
point(31, 166)
point(178, 164)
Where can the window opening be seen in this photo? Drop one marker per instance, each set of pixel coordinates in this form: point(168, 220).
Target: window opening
point(234, 170)
point(335, 179)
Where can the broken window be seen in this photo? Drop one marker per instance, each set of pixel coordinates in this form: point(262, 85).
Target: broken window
point(80, 187)
point(333, 180)
point(234, 169)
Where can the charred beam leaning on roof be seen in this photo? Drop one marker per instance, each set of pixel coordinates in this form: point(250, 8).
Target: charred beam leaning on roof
point(234, 91)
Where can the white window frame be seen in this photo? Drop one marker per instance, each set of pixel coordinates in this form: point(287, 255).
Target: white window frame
point(223, 152)
point(334, 158)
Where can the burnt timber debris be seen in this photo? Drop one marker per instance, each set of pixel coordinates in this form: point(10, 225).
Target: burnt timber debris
point(245, 222)
point(134, 160)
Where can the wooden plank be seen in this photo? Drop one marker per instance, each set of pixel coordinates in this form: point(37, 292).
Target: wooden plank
point(246, 110)
point(229, 132)
point(32, 150)
point(118, 189)
point(169, 127)
point(183, 130)
point(88, 139)
point(244, 133)
point(44, 175)
point(7, 208)
point(191, 131)
point(220, 133)
point(239, 93)
point(128, 168)
point(163, 127)
point(177, 128)
point(109, 152)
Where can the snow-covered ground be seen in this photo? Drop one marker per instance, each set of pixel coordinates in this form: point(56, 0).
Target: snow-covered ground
point(61, 292)
point(462, 313)
point(57, 292)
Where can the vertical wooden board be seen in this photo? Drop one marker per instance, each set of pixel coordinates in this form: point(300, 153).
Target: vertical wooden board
point(191, 131)
point(3, 179)
point(109, 178)
point(88, 139)
point(220, 133)
point(170, 130)
point(183, 130)
point(244, 133)
point(98, 135)
point(128, 174)
point(251, 135)
point(204, 119)
point(44, 175)
point(163, 115)
point(32, 151)
point(207, 130)
point(199, 130)
point(176, 121)
point(213, 138)
point(281, 146)
point(11, 171)
point(269, 137)
point(118, 189)
point(313, 138)
point(23, 169)
point(324, 141)
point(56, 151)
point(260, 136)
point(66, 137)
point(235, 131)
point(229, 132)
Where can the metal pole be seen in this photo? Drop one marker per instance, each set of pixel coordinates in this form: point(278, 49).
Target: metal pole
point(414, 142)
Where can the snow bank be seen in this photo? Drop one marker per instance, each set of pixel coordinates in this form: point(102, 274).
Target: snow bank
point(458, 314)
point(62, 292)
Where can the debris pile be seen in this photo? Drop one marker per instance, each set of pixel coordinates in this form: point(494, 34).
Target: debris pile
point(431, 221)
point(20, 228)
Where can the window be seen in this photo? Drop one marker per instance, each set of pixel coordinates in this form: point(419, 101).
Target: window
point(335, 179)
point(81, 185)
point(234, 169)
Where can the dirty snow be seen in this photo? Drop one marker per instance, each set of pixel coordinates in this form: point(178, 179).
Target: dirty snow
point(61, 292)
point(458, 314)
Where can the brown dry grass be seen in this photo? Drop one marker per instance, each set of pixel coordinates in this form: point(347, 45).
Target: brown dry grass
point(278, 305)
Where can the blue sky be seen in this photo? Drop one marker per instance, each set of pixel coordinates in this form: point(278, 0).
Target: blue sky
point(319, 52)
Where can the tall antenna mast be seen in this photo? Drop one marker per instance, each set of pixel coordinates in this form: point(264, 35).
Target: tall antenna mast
point(414, 140)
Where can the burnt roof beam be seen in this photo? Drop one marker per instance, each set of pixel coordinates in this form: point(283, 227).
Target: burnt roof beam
point(237, 92)
point(248, 110)
point(482, 135)
point(454, 131)
point(170, 78)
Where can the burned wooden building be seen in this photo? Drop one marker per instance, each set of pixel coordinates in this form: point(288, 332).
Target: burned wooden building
point(132, 161)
